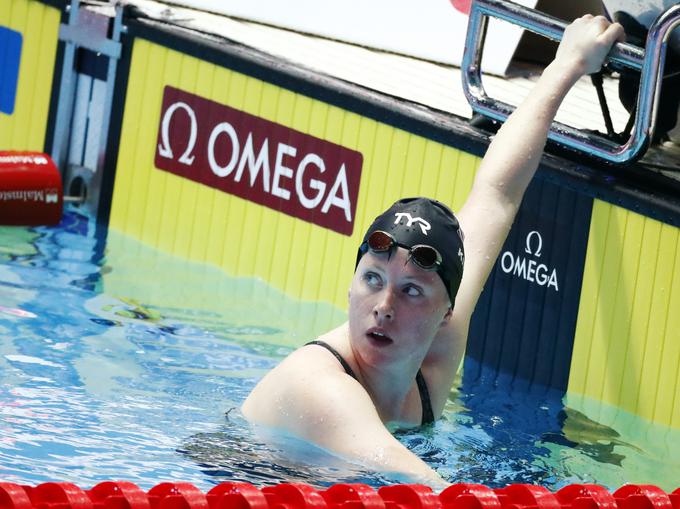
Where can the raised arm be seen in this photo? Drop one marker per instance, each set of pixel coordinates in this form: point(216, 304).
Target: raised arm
point(516, 150)
point(502, 178)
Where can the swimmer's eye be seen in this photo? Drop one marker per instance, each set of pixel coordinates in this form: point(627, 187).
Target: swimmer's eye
point(372, 279)
point(413, 291)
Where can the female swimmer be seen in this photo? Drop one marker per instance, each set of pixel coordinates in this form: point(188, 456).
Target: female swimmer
point(410, 302)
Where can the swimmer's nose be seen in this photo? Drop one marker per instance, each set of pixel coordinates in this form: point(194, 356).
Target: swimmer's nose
point(384, 308)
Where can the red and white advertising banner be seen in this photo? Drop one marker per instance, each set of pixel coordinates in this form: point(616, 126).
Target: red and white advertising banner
point(430, 29)
point(258, 160)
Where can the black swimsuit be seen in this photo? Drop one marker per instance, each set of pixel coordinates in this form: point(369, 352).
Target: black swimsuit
point(428, 415)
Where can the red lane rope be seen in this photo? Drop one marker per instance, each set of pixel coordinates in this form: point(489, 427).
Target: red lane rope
point(126, 495)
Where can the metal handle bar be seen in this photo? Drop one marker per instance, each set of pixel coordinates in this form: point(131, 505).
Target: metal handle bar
point(649, 62)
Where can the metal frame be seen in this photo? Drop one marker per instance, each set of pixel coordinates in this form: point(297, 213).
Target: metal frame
point(74, 34)
point(650, 62)
point(82, 31)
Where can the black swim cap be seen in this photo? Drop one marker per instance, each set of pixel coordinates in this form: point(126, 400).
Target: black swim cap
point(413, 221)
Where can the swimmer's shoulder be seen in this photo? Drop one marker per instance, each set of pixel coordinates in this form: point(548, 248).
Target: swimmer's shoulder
point(306, 381)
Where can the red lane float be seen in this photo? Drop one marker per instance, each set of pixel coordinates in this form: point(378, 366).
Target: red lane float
point(236, 495)
point(294, 495)
point(409, 496)
point(352, 496)
point(31, 192)
point(469, 496)
point(118, 495)
point(181, 495)
point(585, 496)
point(642, 496)
point(527, 495)
point(13, 496)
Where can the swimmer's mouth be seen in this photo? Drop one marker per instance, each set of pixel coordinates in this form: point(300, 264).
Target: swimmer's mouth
point(378, 337)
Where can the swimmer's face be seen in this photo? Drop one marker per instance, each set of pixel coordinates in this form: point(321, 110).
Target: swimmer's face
point(395, 307)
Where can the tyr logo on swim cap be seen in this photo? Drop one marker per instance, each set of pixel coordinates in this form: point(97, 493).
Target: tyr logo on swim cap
point(424, 225)
point(418, 221)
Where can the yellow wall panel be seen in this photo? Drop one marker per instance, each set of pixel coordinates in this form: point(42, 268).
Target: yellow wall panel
point(605, 307)
point(431, 163)
point(203, 210)
point(414, 169)
point(192, 221)
point(186, 204)
point(216, 234)
point(671, 332)
point(629, 325)
point(357, 134)
point(655, 307)
point(396, 167)
point(456, 174)
point(583, 349)
point(335, 122)
point(276, 230)
point(38, 24)
point(235, 208)
point(299, 236)
point(18, 136)
point(168, 229)
point(123, 201)
point(664, 319)
point(626, 347)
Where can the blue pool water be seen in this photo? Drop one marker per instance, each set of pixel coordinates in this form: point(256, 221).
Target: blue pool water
point(120, 362)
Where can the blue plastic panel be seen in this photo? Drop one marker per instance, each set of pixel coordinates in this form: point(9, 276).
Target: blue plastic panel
point(522, 332)
point(10, 57)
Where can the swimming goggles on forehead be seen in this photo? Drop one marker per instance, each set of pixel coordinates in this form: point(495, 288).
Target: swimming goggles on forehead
point(424, 256)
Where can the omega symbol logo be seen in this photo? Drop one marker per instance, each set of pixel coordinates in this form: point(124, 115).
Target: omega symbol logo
point(424, 225)
point(530, 269)
point(164, 149)
point(538, 244)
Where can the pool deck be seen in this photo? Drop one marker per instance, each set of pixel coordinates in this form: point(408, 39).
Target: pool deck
point(434, 86)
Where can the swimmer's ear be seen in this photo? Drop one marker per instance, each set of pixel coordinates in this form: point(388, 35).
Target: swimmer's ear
point(447, 316)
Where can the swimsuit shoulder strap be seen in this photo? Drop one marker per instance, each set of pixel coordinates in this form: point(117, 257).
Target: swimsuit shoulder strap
point(428, 414)
point(337, 355)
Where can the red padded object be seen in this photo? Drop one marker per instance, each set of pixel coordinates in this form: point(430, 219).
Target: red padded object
point(469, 496)
point(675, 498)
point(181, 495)
point(527, 495)
point(118, 495)
point(13, 496)
point(642, 496)
point(352, 496)
point(30, 189)
point(585, 496)
point(294, 496)
point(236, 495)
point(62, 495)
point(409, 496)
